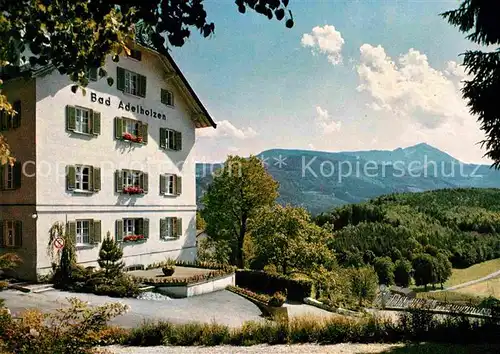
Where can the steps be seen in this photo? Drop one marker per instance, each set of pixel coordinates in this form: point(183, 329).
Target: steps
point(31, 288)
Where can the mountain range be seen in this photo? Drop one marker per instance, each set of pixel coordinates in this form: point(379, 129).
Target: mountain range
point(320, 180)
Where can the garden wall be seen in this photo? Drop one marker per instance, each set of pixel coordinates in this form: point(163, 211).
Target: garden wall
point(204, 287)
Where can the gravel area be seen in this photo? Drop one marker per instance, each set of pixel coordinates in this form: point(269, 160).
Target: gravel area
point(149, 295)
point(275, 349)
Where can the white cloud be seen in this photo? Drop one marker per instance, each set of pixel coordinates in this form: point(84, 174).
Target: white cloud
point(325, 123)
point(325, 40)
point(411, 88)
point(227, 129)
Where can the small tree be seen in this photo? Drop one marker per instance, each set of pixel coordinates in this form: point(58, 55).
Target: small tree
point(110, 256)
point(443, 269)
point(385, 270)
point(402, 272)
point(363, 284)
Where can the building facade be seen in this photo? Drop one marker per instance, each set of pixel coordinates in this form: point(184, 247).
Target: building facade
point(116, 159)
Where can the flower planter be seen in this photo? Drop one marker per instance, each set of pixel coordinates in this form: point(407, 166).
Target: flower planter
point(133, 190)
point(133, 139)
point(168, 271)
point(134, 238)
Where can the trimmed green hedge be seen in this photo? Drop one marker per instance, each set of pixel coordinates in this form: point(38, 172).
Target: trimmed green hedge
point(262, 282)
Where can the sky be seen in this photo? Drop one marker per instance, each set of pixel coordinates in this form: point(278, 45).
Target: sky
point(350, 75)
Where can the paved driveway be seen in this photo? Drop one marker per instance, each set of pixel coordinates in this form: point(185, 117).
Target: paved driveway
point(223, 307)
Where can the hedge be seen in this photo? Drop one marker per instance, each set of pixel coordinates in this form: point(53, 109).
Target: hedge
point(262, 282)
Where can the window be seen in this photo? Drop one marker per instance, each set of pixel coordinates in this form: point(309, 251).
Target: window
point(131, 130)
point(9, 179)
point(135, 54)
point(85, 232)
point(83, 178)
point(170, 184)
point(130, 82)
point(131, 127)
point(10, 176)
point(167, 97)
point(131, 182)
point(82, 120)
point(10, 233)
point(170, 139)
point(170, 228)
point(9, 121)
point(132, 229)
point(82, 232)
point(131, 178)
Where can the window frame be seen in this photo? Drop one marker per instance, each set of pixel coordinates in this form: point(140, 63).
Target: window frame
point(134, 176)
point(128, 80)
point(169, 94)
point(79, 225)
point(79, 122)
point(170, 180)
point(6, 232)
point(169, 139)
point(9, 177)
point(79, 178)
point(170, 226)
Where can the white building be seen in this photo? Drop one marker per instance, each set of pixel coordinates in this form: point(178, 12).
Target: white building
point(76, 166)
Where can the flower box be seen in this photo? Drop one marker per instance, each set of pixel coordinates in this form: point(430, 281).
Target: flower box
point(134, 139)
point(133, 238)
point(133, 190)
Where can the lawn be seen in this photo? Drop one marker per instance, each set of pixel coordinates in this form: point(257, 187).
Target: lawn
point(485, 288)
point(474, 272)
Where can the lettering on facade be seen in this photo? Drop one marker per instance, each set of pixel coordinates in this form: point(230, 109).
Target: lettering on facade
point(128, 107)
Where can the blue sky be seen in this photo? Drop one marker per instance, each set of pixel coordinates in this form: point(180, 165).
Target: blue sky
point(350, 75)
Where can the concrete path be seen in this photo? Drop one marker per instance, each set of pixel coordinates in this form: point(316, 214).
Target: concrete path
point(299, 310)
point(223, 307)
point(472, 282)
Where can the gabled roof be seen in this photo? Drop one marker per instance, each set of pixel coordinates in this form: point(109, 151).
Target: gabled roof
point(201, 118)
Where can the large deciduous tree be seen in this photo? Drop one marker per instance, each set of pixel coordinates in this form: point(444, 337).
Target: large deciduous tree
point(479, 19)
point(239, 189)
point(286, 238)
point(363, 284)
point(75, 35)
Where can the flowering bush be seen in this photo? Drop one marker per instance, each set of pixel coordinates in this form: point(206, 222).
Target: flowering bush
point(77, 329)
point(133, 190)
point(134, 139)
point(133, 238)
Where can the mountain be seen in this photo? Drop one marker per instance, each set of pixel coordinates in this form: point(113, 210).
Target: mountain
point(321, 180)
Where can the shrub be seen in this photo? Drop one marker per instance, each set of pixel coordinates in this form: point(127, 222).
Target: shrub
point(277, 300)
point(70, 330)
point(258, 281)
point(248, 293)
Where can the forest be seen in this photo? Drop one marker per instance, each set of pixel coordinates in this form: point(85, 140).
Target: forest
point(462, 224)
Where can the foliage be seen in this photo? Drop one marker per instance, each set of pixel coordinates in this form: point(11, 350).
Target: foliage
point(285, 237)
point(402, 272)
point(110, 256)
point(9, 261)
point(74, 35)
point(263, 298)
point(412, 326)
point(238, 190)
point(277, 300)
point(75, 329)
point(385, 270)
point(477, 19)
point(425, 269)
point(200, 222)
point(363, 284)
point(258, 281)
point(62, 259)
point(193, 264)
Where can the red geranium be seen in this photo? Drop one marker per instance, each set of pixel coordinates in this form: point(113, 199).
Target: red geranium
point(133, 190)
point(132, 238)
